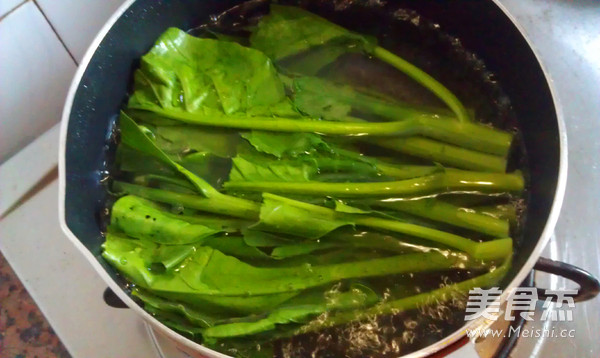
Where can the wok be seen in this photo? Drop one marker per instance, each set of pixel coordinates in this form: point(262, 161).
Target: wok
point(101, 85)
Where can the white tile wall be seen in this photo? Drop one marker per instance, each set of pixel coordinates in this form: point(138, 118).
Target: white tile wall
point(35, 73)
point(78, 21)
point(7, 5)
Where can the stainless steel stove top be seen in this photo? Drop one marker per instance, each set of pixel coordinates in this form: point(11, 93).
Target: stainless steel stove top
point(566, 36)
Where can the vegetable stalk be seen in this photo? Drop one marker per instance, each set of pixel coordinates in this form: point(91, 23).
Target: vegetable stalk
point(488, 250)
point(444, 294)
point(316, 97)
point(443, 153)
point(447, 213)
point(467, 135)
point(441, 182)
point(283, 33)
point(480, 250)
point(309, 125)
point(425, 80)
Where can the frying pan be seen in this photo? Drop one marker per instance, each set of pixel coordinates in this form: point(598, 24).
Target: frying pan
point(483, 27)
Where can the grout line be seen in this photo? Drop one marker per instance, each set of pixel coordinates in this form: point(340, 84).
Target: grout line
point(13, 10)
point(48, 177)
point(55, 32)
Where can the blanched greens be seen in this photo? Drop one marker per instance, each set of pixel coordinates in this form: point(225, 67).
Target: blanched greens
point(289, 31)
point(252, 203)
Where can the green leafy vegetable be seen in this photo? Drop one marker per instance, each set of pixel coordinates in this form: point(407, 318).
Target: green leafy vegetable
point(131, 160)
point(292, 217)
point(258, 238)
point(135, 137)
point(183, 73)
point(236, 246)
point(313, 164)
point(244, 170)
point(181, 140)
point(143, 219)
point(194, 316)
point(288, 30)
point(135, 259)
point(358, 296)
point(196, 279)
point(284, 144)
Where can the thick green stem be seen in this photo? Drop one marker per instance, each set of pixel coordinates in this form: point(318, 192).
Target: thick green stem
point(443, 153)
point(487, 250)
point(441, 182)
point(398, 171)
point(218, 204)
point(439, 152)
point(447, 213)
point(463, 134)
point(424, 79)
point(439, 296)
point(441, 127)
point(408, 263)
point(467, 135)
point(275, 124)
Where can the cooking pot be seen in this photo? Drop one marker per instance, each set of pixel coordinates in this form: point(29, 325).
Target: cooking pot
point(100, 87)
